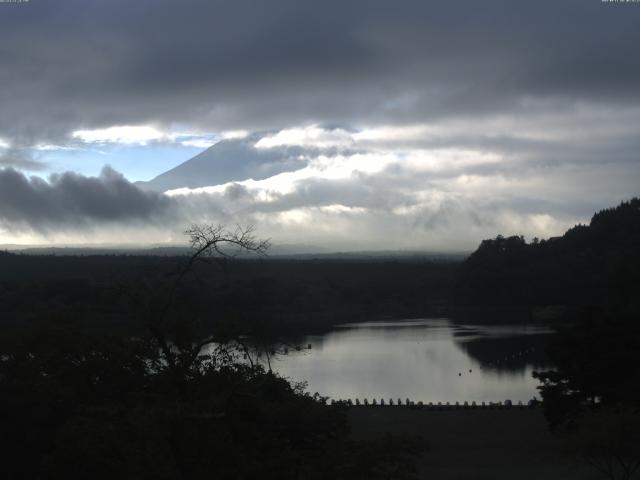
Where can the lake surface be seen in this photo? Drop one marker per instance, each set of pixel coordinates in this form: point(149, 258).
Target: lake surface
point(432, 360)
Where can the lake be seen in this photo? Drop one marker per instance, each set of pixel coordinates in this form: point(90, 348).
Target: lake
point(430, 360)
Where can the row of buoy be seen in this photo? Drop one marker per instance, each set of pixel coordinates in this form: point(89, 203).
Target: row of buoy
point(434, 406)
point(513, 357)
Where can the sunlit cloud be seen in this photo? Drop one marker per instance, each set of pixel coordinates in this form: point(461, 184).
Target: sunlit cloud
point(321, 168)
point(139, 135)
point(198, 143)
point(46, 147)
point(575, 126)
point(126, 134)
point(392, 133)
point(235, 134)
point(312, 136)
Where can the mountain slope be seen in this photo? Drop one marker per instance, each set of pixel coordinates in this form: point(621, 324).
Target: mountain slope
point(226, 161)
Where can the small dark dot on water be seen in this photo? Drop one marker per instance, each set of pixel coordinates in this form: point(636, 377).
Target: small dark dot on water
point(459, 374)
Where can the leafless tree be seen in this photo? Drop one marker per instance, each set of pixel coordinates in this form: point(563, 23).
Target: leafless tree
point(207, 242)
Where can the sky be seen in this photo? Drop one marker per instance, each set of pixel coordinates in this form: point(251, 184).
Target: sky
point(415, 124)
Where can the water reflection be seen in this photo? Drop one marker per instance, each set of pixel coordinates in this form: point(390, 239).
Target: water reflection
point(430, 360)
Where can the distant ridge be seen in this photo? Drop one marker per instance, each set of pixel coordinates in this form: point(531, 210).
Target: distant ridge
point(277, 252)
point(226, 161)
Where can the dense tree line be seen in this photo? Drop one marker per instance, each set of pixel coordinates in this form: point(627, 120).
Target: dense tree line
point(597, 263)
point(291, 295)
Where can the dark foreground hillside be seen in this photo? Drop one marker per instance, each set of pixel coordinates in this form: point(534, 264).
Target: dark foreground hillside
point(478, 444)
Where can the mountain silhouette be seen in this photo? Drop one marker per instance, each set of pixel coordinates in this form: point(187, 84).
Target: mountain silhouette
point(227, 161)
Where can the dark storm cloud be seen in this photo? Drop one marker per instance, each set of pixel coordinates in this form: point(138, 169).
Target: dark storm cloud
point(256, 64)
point(70, 200)
point(19, 158)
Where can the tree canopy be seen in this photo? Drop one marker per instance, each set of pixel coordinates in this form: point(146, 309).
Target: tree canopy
point(590, 264)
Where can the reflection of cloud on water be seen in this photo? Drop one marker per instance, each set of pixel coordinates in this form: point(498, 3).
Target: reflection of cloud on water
point(420, 359)
point(431, 355)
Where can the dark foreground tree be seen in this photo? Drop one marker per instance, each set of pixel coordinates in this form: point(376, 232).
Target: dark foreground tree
point(608, 439)
point(592, 397)
point(79, 399)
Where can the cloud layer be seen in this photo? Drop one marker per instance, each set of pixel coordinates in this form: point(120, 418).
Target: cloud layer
point(360, 124)
point(78, 65)
point(71, 201)
point(383, 188)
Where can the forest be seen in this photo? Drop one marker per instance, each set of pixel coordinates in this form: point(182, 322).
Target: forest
point(595, 264)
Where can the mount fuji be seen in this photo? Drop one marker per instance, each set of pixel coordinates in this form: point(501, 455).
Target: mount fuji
point(227, 161)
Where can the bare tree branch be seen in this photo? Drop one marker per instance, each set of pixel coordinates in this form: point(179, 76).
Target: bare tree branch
point(206, 240)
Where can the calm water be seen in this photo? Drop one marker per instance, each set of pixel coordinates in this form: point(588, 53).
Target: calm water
point(430, 360)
